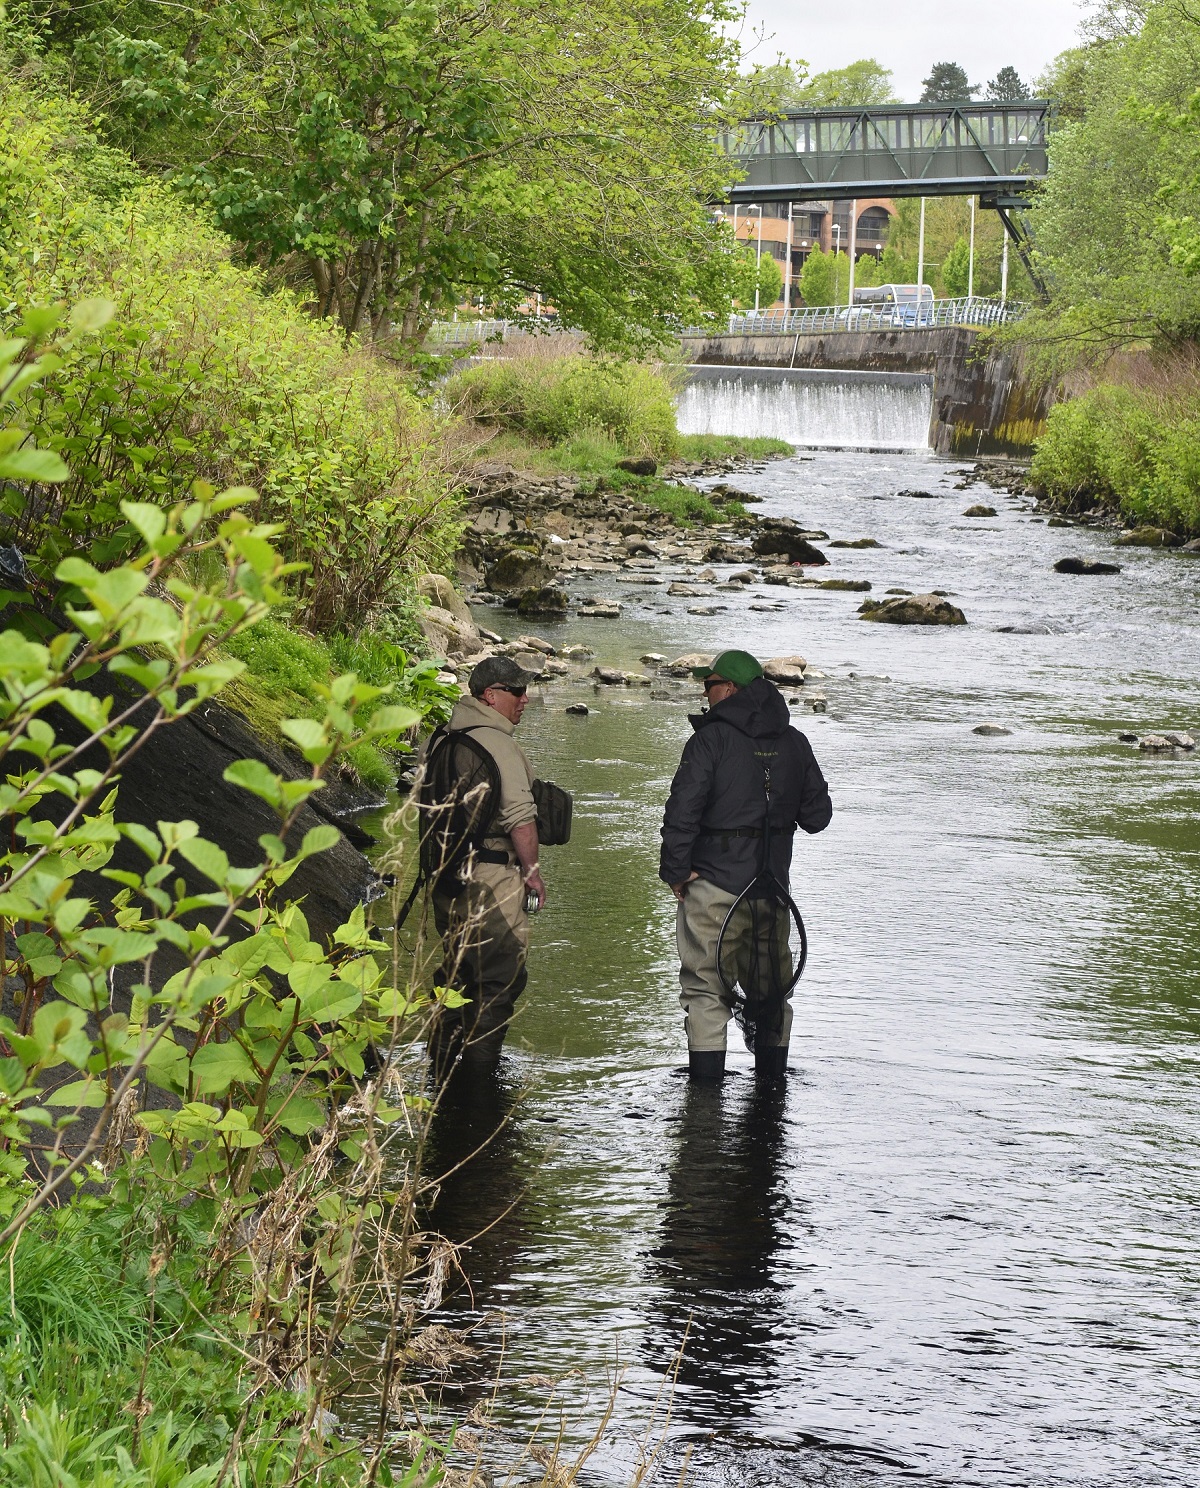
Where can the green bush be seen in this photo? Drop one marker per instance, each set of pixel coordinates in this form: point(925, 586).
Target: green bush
point(559, 397)
point(1137, 449)
point(202, 375)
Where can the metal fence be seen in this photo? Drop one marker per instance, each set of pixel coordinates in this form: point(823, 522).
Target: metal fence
point(468, 332)
point(975, 311)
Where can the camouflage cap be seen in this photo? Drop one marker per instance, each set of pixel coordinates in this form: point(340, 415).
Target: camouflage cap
point(497, 671)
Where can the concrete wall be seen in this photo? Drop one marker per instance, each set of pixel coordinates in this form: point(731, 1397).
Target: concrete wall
point(983, 403)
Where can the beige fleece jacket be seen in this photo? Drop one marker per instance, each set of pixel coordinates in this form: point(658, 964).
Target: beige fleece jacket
point(495, 733)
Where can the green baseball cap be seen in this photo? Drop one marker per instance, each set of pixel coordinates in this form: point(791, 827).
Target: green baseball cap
point(738, 667)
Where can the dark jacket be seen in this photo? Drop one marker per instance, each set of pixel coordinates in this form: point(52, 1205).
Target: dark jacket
point(719, 787)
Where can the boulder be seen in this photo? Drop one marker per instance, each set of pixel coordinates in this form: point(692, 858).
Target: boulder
point(709, 609)
point(684, 591)
point(1149, 537)
point(743, 576)
point(578, 653)
point(991, 730)
point(639, 465)
point(859, 586)
point(535, 643)
point(858, 542)
point(610, 676)
point(919, 495)
point(725, 552)
point(1181, 741)
point(682, 665)
point(636, 544)
point(545, 599)
point(442, 594)
point(1155, 743)
point(780, 535)
point(652, 658)
point(579, 710)
point(1191, 547)
point(600, 609)
point(980, 511)
point(447, 635)
point(913, 609)
point(1085, 566)
point(519, 568)
point(787, 671)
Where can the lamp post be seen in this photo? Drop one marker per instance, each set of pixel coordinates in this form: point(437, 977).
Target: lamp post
point(787, 278)
point(971, 257)
point(921, 263)
point(853, 253)
point(757, 256)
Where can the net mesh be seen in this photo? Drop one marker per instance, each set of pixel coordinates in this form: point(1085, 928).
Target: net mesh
point(760, 956)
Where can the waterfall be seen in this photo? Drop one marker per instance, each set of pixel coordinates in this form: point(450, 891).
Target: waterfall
point(860, 410)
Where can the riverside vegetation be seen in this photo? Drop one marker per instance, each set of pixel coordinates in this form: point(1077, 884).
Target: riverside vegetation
point(212, 1113)
point(1116, 226)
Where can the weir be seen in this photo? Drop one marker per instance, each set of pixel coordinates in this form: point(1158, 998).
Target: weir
point(820, 409)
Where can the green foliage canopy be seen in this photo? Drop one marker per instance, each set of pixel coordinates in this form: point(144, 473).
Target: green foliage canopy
point(396, 155)
point(947, 83)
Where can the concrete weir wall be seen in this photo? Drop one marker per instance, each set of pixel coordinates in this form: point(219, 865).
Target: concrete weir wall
point(982, 402)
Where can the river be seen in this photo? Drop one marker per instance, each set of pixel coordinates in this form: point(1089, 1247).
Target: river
point(961, 1247)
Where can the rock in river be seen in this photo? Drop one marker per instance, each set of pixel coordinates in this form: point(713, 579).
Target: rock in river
point(1086, 566)
point(781, 535)
point(610, 676)
point(682, 665)
point(991, 730)
point(547, 599)
point(980, 511)
point(1149, 537)
point(1157, 743)
point(788, 671)
point(519, 568)
point(913, 609)
point(858, 542)
point(600, 609)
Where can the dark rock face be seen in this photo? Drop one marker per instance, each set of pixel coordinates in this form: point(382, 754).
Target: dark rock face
point(1149, 537)
point(913, 609)
point(779, 536)
point(724, 552)
point(544, 599)
point(177, 775)
point(642, 465)
point(519, 568)
point(1085, 566)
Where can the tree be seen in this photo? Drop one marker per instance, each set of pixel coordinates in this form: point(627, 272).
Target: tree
point(894, 268)
point(816, 278)
point(755, 271)
point(1006, 87)
point(947, 83)
point(956, 269)
point(400, 154)
point(859, 85)
point(1115, 220)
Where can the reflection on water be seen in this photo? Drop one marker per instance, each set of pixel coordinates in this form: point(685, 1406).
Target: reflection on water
point(962, 1247)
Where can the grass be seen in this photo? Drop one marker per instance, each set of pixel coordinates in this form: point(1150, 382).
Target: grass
point(593, 457)
point(286, 667)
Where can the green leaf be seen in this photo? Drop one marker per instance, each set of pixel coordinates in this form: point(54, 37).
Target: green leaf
point(319, 839)
point(90, 315)
point(308, 734)
point(254, 776)
point(207, 857)
point(33, 465)
point(217, 1066)
point(86, 1094)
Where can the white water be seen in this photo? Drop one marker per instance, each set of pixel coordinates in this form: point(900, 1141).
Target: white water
point(820, 409)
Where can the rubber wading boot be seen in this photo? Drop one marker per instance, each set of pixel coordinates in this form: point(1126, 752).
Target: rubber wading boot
point(771, 1064)
point(706, 1064)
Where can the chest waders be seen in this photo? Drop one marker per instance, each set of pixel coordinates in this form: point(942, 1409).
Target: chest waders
point(754, 953)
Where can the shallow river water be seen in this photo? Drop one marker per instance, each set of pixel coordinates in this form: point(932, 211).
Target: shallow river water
point(961, 1247)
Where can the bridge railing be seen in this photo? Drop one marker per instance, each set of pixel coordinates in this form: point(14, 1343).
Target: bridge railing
point(975, 311)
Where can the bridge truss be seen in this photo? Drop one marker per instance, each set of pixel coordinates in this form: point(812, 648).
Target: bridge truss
point(996, 151)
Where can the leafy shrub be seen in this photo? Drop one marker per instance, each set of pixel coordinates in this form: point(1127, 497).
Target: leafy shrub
point(1138, 448)
point(203, 375)
point(556, 397)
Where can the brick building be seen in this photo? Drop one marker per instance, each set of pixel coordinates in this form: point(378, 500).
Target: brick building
point(813, 224)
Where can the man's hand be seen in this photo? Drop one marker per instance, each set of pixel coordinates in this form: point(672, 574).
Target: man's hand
point(534, 882)
point(680, 889)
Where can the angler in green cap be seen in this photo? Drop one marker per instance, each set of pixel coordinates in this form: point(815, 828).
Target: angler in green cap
point(747, 779)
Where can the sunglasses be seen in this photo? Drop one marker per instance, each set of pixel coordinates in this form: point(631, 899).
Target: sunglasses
point(512, 691)
point(711, 682)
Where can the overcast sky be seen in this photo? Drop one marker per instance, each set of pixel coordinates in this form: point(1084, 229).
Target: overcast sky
point(908, 37)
